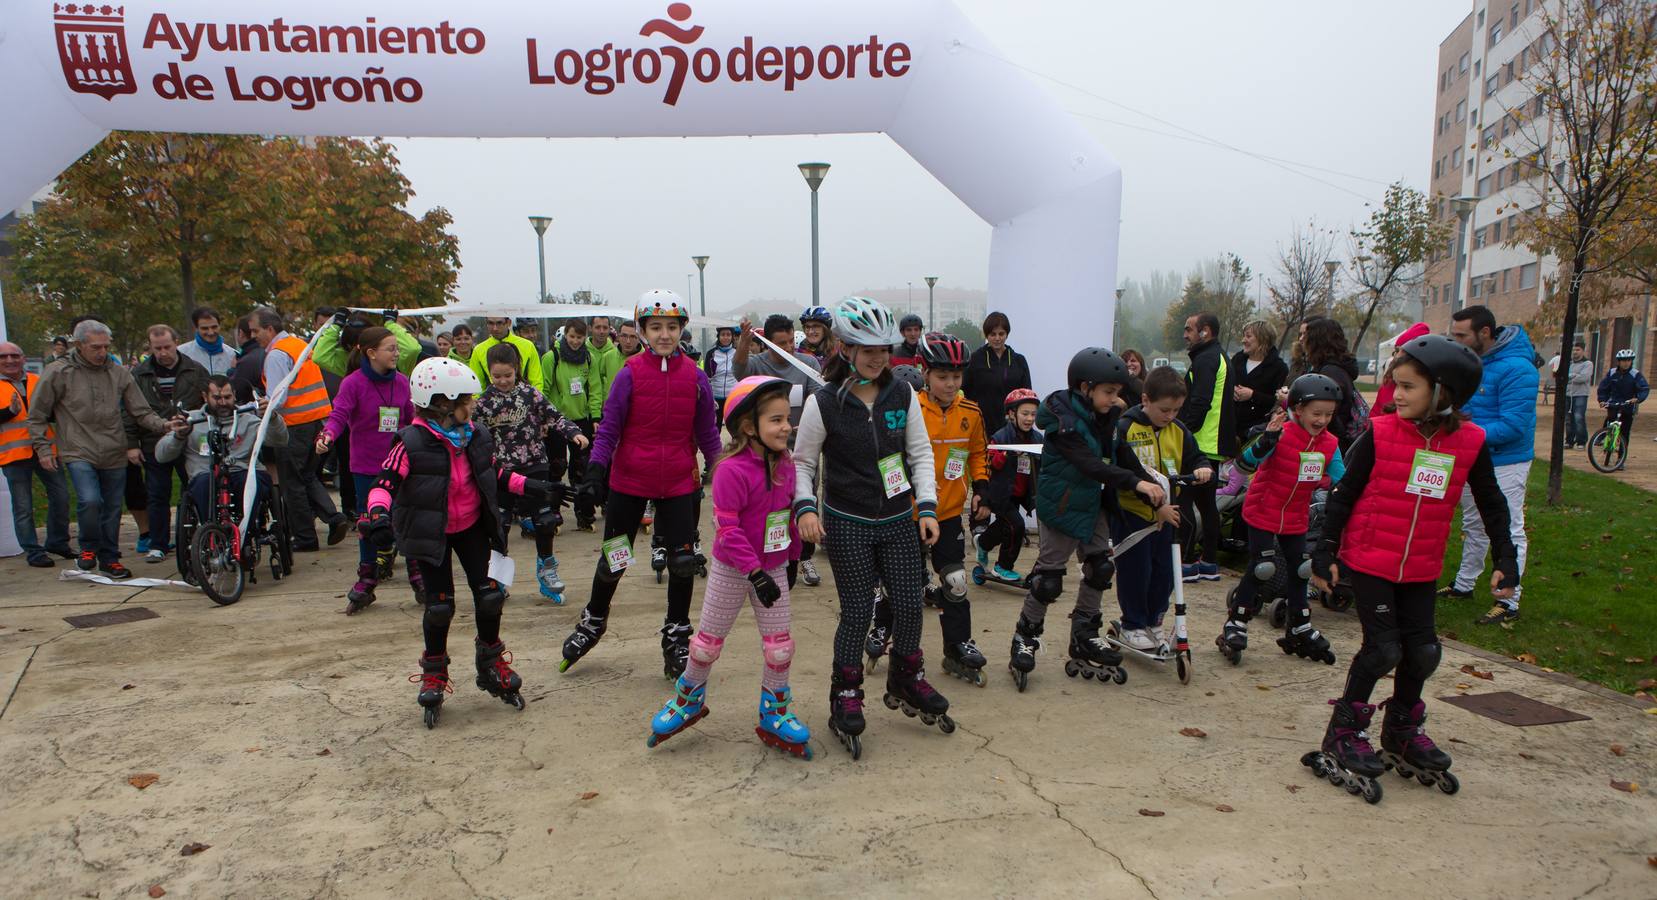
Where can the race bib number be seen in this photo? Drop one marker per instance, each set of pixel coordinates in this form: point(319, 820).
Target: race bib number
point(1311, 467)
point(1025, 465)
point(776, 531)
point(390, 417)
point(576, 387)
point(1170, 465)
point(618, 553)
point(892, 476)
point(1430, 474)
point(955, 465)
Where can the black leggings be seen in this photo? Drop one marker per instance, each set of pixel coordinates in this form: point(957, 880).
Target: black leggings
point(675, 523)
point(472, 546)
point(1205, 498)
point(514, 507)
point(1291, 552)
point(1006, 532)
point(1398, 633)
point(565, 456)
point(862, 555)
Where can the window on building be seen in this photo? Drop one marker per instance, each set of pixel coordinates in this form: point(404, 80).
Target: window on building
point(1461, 111)
point(1455, 158)
point(1447, 291)
point(1527, 276)
point(1473, 290)
point(1513, 18)
point(1559, 173)
point(1504, 281)
point(1492, 84)
point(1496, 180)
point(1481, 19)
point(1477, 64)
point(1489, 137)
point(1507, 125)
point(1538, 108)
point(1478, 238)
point(1438, 168)
point(1507, 73)
point(1461, 67)
point(1495, 33)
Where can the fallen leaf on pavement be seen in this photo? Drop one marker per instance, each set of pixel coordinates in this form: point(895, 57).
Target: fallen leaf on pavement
point(194, 848)
point(1463, 686)
point(1262, 687)
point(1208, 693)
point(143, 779)
point(1457, 741)
point(1616, 749)
point(336, 675)
point(157, 890)
point(252, 750)
point(1651, 860)
point(1193, 732)
point(324, 752)
point(1152, 813)
point(1627, 787)
point(589, 795)
point(128, 687)
point(1526, 756)
point(1288, 728)
point(1646, 684)
point(1476, 673)
point(549, 831)
point(1527, 658)
point(1293, 788)
point(1223, 808)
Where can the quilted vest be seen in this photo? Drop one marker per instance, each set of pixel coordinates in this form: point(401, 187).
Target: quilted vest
point(1277, 500)
point(1397, 535)
point(420, 511)
point(656, 456)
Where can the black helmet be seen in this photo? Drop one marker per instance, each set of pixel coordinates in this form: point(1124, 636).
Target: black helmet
point(1096, 365)
point(689, 349)
point(1313, 386)
point(910, 321)
point(943, 351)
point(1449, 364)
point(909, 375)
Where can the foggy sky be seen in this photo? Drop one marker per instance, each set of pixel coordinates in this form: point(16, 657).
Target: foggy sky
point(1344, 86)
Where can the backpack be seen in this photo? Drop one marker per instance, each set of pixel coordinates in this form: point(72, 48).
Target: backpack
point(1360, 417)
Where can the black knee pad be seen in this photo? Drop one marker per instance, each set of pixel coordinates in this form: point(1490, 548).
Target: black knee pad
point(1420, 660)
point(1377, 660)
point(682, 562)
point(1097, 570)
point(439, 611)
point(1263, 567)
point(954, 579)
point(490, 599)
point(1046, 586)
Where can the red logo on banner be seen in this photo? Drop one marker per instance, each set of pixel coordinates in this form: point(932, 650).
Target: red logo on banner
point(92, 45)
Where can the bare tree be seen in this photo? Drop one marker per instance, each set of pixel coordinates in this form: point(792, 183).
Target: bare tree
point(1301, 279)
point(1588, 142)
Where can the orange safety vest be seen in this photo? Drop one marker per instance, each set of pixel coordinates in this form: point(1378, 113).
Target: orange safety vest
point(307, 399)
point(15, 445)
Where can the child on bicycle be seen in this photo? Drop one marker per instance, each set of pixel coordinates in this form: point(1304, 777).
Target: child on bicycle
point(1621, 392)
point(1388, 520)
point(1151, 435)
point(1291, 459)
point(436, 499)
point(523, 422)
point(1012, 489)
point(371, 407)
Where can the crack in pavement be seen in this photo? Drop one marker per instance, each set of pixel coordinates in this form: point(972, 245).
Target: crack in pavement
point(75, 840)
point(19, 682)
point(1030, 782)
point(328, 698)
point(590, 682)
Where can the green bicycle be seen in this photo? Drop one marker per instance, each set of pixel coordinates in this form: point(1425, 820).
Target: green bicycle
point(1608, 448)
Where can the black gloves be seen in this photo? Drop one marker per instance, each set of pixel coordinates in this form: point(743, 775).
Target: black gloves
point(536, 489)
point(375, 528)
point(596, 488)
point(764, 587)
point(1510, 573)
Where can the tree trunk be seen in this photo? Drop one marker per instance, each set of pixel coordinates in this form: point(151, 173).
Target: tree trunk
point(1561, 377)
point(1362, 329)
point(187, 284)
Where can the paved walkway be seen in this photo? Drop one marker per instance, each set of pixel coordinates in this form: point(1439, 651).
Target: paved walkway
point(285, 736)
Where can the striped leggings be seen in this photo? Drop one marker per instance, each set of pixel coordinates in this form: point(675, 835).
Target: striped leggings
point(864, 554)
point(728, 590)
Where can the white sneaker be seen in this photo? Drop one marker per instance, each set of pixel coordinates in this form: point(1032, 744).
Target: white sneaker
point(808, 573)
point(155, 556)
point(1141, 639)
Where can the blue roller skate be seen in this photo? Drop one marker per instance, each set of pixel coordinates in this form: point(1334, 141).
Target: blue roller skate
point(546, 572)
point(684, 709)
point(780, 728)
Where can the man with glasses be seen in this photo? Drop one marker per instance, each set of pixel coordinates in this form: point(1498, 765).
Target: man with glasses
point(500, 332)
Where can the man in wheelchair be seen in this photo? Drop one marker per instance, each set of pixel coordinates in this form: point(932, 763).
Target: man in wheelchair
point(191, 440)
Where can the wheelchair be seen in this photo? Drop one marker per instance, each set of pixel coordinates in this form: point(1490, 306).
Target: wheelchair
point(218, 556)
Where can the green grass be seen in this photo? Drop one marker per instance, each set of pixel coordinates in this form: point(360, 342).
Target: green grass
point(1589, 606)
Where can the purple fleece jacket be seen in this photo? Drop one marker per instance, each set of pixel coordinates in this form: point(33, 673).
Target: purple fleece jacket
point(357, 412)
point(742, 497)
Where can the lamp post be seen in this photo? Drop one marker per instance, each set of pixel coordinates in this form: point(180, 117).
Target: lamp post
point(1330, 266)
point(702, 282)
point(931, 310)
point(814, 173)
point(1116, 319)
point(540, 223)
point(1464, 207)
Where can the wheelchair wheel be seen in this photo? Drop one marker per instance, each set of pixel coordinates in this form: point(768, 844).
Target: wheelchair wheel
point(217, 562)
point(184, 532)
point(276, 515)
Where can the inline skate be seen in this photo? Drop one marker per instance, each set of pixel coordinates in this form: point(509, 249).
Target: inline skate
point(965, 661)
point(1026, 641)
point(780, 728)
point(1307, 642)
point(846, 708)
point(582, 640)
point(684, 709)
point(434, 683)
point(1406, 748)
point(907, 689)
point(1346, 759)
point(675, 648)
point(495, 675)
point(1091, 656)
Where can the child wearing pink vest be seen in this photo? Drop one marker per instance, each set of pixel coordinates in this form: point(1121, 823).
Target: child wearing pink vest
point(1388, 520)
point(1293, 458)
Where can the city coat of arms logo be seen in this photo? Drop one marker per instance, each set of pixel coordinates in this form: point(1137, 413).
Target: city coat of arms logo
point(92, 45)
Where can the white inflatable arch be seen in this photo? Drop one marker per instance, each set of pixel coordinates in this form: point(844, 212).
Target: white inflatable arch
point(916, 70)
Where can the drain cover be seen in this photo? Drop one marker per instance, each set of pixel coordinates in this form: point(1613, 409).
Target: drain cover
point(1514, 709)
point(113, 617)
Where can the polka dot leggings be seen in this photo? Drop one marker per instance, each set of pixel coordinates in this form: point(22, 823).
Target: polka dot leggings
point(863, 555)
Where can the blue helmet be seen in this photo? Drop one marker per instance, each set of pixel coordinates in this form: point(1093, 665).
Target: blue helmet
point(817, 314)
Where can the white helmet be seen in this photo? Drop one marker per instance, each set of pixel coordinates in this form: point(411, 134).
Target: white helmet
point(1625, 354)
point(660, 303)
point(861, 322)
point(441, 377)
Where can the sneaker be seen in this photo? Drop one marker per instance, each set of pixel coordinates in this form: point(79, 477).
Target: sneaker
point(115, 570)
point(87, 561)
point(1007, 574)
point(41, 562)
point(1200, 571)
point(1141, 639)
point(1451, 592)
point(62, 553)
point(155, 555)
point(1497, 615)
point(143, 545)
point(338, 529)
point(808, 573)
point(983, 555)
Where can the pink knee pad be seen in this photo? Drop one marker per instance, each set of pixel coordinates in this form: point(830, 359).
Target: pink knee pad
point(704, 648)
point(779, 649)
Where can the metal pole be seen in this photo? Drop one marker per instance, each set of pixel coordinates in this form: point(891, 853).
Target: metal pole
point(816, 299)
point(541, 255)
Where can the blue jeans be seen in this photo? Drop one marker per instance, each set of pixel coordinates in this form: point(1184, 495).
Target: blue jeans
point(98, 494)
point(158, 485)
point(1576, 430)
point(18, 479)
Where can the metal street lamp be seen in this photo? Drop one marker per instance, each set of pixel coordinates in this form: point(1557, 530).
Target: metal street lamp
point(1116, 319)
point(814, 173)
point(1464, 206)
point(702, 280)
point(540, 223)
point(931, 310)
point(1330, 266)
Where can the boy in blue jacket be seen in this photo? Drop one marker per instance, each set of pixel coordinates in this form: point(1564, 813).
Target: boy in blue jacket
point(1622, 390)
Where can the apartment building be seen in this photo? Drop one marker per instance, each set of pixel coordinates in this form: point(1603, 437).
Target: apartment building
point(1481, 99)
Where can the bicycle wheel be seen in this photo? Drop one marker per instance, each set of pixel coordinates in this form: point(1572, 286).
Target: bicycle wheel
point(217, 564)
point(1607, 451)
point(184, 532)
point(277, 514)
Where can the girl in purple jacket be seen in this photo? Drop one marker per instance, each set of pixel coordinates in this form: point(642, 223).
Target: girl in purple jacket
point(372, 406)
point(660, 412)
point(753, 486)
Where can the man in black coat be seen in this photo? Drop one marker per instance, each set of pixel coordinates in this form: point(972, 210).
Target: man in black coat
point(1208, 414)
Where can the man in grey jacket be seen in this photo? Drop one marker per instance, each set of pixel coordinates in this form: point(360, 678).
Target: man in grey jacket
point(190, 442)
point(173, 383)
point(1577, 389)
point(80, 396)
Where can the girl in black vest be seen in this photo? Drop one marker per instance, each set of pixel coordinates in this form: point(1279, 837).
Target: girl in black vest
point(436, 499)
